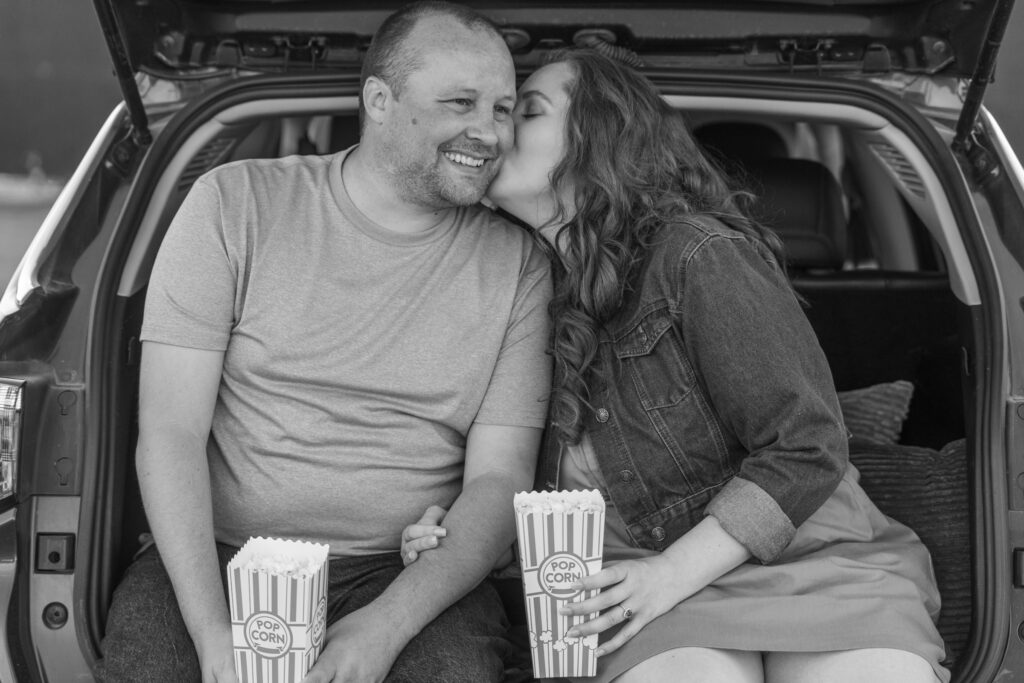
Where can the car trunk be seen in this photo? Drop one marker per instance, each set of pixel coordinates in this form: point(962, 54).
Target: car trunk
point(911, 325)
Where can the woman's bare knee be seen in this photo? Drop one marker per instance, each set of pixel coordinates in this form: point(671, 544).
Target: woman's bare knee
point(869, 665)
point(697, 665)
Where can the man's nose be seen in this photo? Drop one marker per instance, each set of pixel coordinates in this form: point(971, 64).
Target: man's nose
point(487, 129)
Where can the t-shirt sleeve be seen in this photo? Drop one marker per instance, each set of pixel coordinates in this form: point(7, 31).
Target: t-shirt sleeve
point(191, 296)
point(518, 391)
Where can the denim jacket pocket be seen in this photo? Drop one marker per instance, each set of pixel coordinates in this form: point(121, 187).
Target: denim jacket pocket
point(652, 359)
point(661, 379)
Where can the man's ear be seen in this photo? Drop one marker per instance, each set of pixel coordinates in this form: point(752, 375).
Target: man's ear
point(377, 99)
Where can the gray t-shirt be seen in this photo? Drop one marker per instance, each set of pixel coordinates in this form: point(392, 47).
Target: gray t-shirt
point(356, 358)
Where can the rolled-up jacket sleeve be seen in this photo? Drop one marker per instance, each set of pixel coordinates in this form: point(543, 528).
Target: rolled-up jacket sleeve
point(770, 387)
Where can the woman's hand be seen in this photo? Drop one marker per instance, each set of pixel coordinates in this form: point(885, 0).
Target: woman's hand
point(633, 591)
point(424, 534)
point(640, 591)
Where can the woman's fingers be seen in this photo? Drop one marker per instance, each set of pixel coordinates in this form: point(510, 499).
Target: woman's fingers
point(418, 531)
point(612, 576)
point(614, 615)
point(621, 638)
point(420, 544)
point(433, 516)
point(419, 537)
point(604, 578)
point(599, 602)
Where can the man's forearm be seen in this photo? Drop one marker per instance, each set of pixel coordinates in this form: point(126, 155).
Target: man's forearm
point(480, 527)
point(175, 485)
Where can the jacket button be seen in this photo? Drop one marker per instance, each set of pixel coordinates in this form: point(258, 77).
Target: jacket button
point(602, 415)
point(626, 475)
point(658, 534)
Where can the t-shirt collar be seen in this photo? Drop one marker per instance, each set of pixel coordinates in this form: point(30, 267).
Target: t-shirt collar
point(375, 230)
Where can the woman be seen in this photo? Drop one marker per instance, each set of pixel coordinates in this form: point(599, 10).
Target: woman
point(690, 389)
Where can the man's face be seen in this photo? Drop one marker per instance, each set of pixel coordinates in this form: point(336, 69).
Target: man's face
point(446, 132)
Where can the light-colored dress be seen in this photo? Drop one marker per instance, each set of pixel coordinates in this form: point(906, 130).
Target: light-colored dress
point(851, 578)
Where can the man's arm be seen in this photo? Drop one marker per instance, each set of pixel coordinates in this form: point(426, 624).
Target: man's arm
point(363, 646)
point(177, 395)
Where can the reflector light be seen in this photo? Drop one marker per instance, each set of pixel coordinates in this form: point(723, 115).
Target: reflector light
point(10, 433)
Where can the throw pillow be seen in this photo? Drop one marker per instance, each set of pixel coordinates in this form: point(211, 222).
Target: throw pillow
point(876, 413)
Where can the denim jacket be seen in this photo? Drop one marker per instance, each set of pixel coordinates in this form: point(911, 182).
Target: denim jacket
point(720, 400)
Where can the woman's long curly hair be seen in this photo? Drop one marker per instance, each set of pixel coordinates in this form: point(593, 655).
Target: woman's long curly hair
point(636, 170)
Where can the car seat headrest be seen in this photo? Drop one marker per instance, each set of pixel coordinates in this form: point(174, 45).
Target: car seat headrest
point(732, 142)
point(802, 202)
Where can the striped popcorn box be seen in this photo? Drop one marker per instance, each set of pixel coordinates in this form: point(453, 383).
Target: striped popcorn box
point(277, 591)
point(561, 536)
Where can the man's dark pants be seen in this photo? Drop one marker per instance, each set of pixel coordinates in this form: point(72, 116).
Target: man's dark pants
point(146, 639)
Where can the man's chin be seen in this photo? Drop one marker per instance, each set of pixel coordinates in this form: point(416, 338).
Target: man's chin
point(465, 194)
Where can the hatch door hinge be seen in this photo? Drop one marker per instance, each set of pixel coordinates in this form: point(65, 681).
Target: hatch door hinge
point(982, 77)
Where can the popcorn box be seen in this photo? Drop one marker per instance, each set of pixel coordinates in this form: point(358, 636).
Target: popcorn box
point(277, 591)
point(561, 537)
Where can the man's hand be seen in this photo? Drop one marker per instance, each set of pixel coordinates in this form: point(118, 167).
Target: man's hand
point(219, 667)
point(358, 650)
point(216, 657)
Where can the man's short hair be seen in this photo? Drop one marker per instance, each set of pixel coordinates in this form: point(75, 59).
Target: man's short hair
point(389, 59)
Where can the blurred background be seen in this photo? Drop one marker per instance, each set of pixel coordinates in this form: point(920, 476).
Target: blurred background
point(57, 87)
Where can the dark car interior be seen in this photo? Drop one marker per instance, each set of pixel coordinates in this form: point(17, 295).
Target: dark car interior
point(879, 326)
point(876, 325)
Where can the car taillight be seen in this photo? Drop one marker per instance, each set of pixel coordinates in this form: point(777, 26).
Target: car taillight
point(10, 433)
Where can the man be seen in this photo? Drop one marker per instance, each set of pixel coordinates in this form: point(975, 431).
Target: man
point(332, 344)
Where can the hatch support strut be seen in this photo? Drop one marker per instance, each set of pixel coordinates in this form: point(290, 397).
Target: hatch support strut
point(123, 69)
point(982, 75)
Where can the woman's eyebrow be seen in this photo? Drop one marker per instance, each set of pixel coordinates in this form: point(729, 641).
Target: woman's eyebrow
point(534, 93)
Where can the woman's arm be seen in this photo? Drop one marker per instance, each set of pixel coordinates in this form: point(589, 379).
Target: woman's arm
point(770, 387)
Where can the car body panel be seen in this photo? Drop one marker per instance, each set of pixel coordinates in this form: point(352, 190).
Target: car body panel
point(26, 277)
point(8, 569)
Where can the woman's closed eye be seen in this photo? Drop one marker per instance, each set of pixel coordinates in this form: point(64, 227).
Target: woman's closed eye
point(529, 112)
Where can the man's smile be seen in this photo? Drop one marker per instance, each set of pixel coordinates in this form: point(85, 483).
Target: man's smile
point(464, 159)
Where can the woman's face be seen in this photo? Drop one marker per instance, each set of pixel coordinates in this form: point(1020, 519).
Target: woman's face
point(523, 184)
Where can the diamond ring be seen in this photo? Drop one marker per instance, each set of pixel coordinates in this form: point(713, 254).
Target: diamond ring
point(627, 613)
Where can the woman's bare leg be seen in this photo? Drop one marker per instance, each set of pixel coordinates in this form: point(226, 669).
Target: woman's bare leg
point(697, 665)
point(869, 665)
